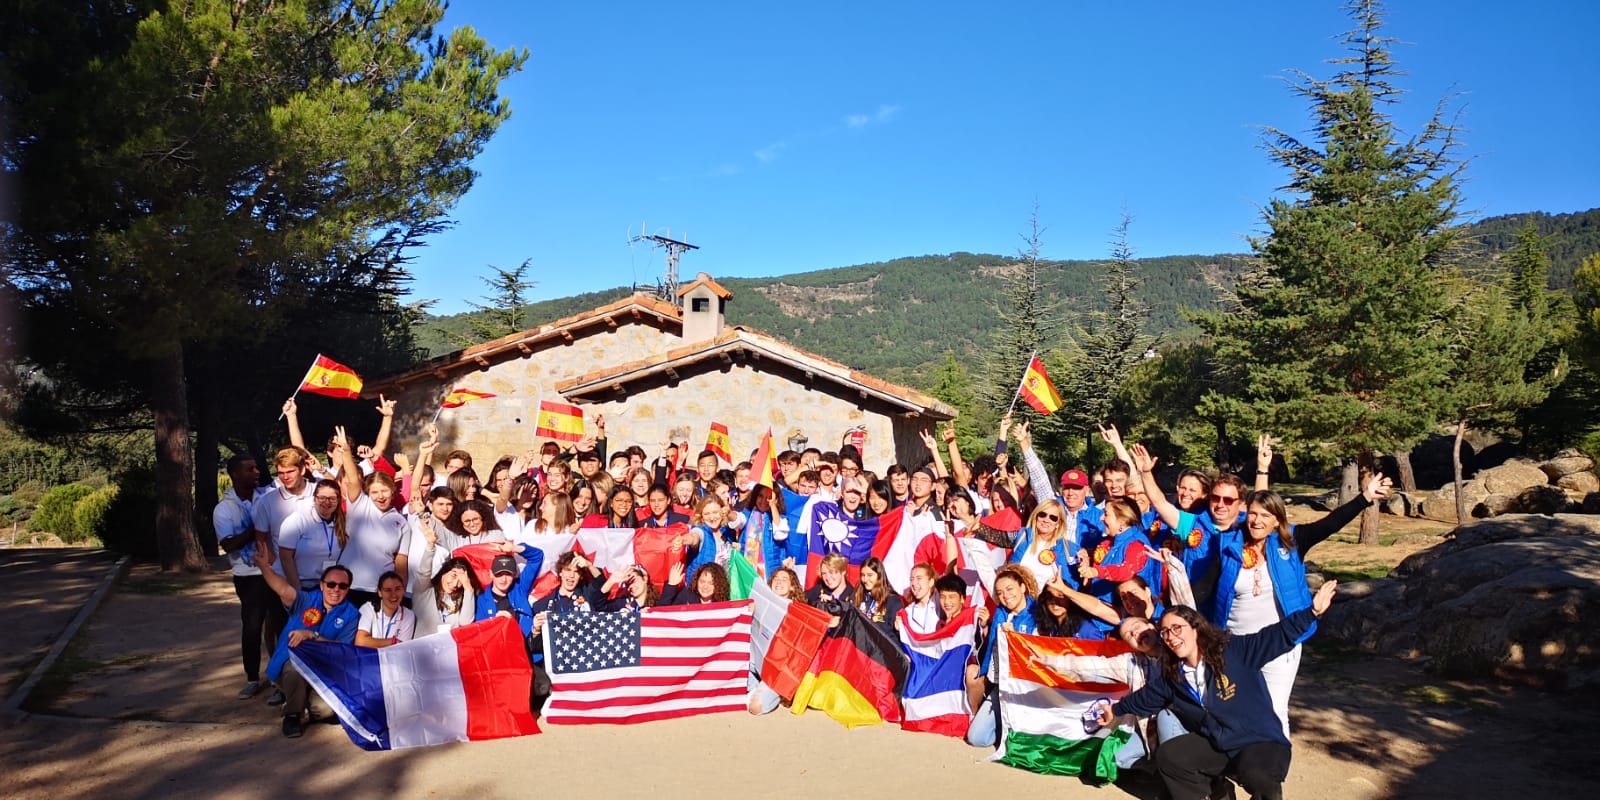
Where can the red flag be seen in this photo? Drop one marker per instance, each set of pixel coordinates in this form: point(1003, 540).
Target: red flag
point(460, 397)
point(331, 379)
point(765, 464)
point(717, 442)
point(559, 421)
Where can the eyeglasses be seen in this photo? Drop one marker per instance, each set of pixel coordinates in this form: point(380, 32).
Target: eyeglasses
point(335, 585)
point(1050, 517)
point(1171, 632)
point(1217, 500)
point(849, 470)
point(326, 498)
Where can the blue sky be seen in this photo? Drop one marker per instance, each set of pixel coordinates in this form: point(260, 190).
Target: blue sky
point(792, 137)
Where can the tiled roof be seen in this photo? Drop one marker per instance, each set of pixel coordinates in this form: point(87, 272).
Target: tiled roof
point(741, 339)
point(705, 280)
point(482, 355)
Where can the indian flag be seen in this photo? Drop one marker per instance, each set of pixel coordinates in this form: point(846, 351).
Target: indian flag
point(1042, 703)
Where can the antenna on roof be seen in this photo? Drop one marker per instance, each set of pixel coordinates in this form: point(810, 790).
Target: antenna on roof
point(668, 289)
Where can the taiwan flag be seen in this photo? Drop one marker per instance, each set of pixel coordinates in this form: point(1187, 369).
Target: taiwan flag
point(830, 530)
point(469, 684)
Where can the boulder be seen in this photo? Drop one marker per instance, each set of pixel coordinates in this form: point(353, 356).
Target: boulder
point(1565, 463)
point(1591, 503)
point(1543, 499)
point(1442, 505)
point(1492, 506)
point(1579, 483)
point(1514, 595)
point(1400, 504)
point(1512, 477)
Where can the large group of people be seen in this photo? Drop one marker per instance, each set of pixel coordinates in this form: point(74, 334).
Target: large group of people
point(1208, 588)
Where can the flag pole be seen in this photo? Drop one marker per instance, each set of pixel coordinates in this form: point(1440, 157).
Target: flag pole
point(440, 409)
point(302, 383)
point(1020, 382)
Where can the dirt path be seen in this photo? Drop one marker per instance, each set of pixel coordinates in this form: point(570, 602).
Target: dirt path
point(165, 648)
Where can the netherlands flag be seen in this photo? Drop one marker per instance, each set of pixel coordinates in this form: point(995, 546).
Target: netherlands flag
point(935, 699)
point(469, 684)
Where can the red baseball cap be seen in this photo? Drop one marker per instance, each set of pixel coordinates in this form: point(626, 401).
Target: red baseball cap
point(1074, 477)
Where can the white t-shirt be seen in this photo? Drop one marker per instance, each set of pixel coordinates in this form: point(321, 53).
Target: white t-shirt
point(234, 516)
point(271, 509)
point(510, 522)
point(924, 617)
point(378, 625)
point(315, 542)
point(374, 539)
point(1251, 612)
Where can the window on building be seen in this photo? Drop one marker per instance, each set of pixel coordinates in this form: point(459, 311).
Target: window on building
point(700, 304)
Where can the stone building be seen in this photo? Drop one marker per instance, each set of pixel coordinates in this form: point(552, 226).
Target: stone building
point(660, 372)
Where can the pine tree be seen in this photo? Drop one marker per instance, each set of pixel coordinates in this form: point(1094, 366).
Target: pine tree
point(1110, 342)
point(953, 384)
point(502, 312)
point(1030, 324)
point(1529, 265)
point(1339, 336)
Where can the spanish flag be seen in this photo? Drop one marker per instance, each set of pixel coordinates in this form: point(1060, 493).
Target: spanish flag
point(764, 466)
point(1038, 390)
point(460, 397)
point(330, 378)
point(857, 676)
point(717, 442)
point(559, 421)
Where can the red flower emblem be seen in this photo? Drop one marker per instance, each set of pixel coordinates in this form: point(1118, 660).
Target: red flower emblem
point(1101, 552)
point(1047, 557)
point(1251, 559)
point(311, 617)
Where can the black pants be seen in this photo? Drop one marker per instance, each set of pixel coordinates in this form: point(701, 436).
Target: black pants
point(539, 691)
point(257, 604)
point(1189, 764)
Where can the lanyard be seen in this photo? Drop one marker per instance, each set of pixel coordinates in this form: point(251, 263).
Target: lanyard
point(920, 621)
point(390, 622)
point(1189, 685)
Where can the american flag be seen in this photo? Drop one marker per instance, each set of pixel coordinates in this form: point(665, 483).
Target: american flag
point(656, 664)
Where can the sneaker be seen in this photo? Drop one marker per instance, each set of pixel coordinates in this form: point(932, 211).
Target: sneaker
point(291, 727)
point(276, 698)
point(251, 689)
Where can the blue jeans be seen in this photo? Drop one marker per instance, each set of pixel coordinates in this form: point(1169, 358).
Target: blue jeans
point(1167, 728)
point(981, 730)
point(763, 695)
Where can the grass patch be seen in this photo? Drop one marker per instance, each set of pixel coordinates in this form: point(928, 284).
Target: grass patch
point(1347, 573)
point(1443, 696)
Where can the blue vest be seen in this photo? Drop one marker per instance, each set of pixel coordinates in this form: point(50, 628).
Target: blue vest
point(1021, 622)
point(1025, 541)
point(1106, 590)
point(1284, 568)
point(338, 625)
point(758, 525)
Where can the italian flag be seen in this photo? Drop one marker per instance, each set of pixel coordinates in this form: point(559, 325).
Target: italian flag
point(1042, 706)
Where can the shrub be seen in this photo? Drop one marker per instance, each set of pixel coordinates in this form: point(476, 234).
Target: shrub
point(130, 521)
point(89, 516)
point(55, 509)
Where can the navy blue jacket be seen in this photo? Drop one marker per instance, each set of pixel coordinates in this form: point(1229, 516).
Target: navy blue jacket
point(1238, 710)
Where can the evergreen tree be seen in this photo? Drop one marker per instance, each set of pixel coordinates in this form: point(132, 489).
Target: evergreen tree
point(953, 384)
point(1529, 266)
point(503, 311)
point(1030, 323)
point(1110, 342)
point(1339, 337)
point(219, 179)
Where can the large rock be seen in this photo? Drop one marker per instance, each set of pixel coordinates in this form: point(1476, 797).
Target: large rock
point(1579, 483)
point(1492, 506)
point(1515, 595)
point(1512, 477)
point(1566, 463)
point(1542, 499)
point(1591, 503)
point(1442, 505)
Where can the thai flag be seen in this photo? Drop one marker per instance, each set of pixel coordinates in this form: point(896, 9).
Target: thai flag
point(468, 684)
point(935, 699)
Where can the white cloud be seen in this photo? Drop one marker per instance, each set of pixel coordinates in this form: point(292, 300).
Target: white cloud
point(768, 154)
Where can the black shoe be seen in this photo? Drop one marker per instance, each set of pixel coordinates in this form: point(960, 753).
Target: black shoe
point(292, 728)
point(276, 698)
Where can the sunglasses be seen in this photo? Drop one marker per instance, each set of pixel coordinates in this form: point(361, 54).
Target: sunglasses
point(1223, 501)
point(335, 585)
point(1051, 517)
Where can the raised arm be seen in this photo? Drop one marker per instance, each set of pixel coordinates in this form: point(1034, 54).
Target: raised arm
point(349, 473)
point(1000, 440)
point(1145, 464)
point(1038, 477)
point(1091, 605)
point(1263, 462)
point(933, 452)
point(286, 593)
point(419, 492)
point(291, 413)
point(1113, 438)
point(380, 446)
point(958, 466)
point(1311, 534)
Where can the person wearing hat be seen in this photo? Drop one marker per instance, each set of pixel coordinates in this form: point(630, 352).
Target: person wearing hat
point(507, 596)
point(1082, 520)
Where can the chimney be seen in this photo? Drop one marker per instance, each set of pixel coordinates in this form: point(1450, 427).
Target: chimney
point(703, 303)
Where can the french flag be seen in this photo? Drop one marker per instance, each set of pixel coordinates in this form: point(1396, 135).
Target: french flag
point(469, 684)
point(935, 699)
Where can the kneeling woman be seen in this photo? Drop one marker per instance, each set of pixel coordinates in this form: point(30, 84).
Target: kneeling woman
point(1213, 683)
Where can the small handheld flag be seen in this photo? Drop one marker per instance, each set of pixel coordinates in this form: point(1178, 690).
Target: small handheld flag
point(331, 379)
point(717, 442)
point(1038, 390)
point(461, 397)
point(559, 421)
point(764, 466)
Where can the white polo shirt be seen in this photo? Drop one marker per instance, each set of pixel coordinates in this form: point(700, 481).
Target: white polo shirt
point(273, 507)
point(374, 539)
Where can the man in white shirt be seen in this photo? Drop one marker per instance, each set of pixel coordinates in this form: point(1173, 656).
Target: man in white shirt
point(289, 495)
point(236, 534)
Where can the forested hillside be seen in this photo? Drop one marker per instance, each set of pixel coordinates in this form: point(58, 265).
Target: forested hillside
point(898, 318)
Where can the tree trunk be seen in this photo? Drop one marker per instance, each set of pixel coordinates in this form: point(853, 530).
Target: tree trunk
point(169, 403)
point(206, 456)
point(1349, 482)
point(1369, 518)
point(1455, 464)
point(1222, 446)
point(1408, 476)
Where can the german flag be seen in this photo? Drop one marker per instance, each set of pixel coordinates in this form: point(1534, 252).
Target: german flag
point(331, 379)
point(559, 421)
point(857, 676)
point(1038, 390)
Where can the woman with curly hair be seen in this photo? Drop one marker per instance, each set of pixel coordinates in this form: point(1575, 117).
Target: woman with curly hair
point(708, 585)
point(1213, 682)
